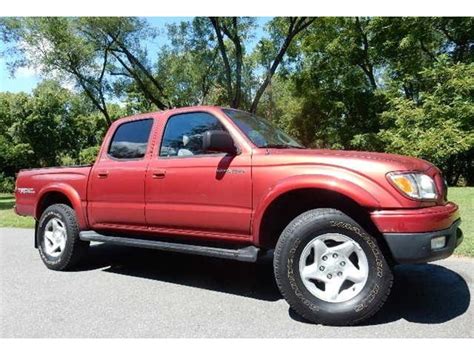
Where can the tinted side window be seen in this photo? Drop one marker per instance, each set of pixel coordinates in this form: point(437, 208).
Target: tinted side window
point(183, 133)
point(130, 140)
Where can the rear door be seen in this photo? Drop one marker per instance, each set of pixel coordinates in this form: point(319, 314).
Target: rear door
point(116, 185)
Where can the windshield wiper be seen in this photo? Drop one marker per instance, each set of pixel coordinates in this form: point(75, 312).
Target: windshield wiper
point(282, 146)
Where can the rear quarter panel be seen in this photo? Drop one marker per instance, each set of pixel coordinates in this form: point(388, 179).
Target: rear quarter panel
point(32, 186)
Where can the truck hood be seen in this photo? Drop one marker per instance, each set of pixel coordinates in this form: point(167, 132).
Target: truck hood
point(354, 160)
point(347, 165)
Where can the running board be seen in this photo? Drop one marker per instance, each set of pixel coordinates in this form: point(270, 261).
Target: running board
point(248, 254)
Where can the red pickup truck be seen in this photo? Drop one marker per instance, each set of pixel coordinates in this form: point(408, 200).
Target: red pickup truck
point(224, 183)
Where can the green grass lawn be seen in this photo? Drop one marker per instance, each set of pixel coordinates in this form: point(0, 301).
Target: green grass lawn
point(463, 196)
point(8, 218)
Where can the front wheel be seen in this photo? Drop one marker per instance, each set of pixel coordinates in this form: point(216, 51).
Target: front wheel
point(330, 270)
point(58, 238)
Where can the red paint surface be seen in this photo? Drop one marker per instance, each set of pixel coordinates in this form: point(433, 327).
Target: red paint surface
point(195, 200)
point(416, 220)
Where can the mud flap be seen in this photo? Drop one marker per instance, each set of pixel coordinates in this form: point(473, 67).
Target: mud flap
point(36, 234)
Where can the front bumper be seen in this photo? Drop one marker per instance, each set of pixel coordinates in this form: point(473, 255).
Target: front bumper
point(408, 232)
point(415, 248)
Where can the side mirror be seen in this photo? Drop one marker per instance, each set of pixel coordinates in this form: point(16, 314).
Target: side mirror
point(218, 141)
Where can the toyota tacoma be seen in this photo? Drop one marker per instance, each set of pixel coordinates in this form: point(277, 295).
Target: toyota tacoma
point(224, 183)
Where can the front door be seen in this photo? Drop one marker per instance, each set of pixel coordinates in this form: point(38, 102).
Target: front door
point(190, 190)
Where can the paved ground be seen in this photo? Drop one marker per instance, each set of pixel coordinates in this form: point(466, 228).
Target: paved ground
point(126, 292)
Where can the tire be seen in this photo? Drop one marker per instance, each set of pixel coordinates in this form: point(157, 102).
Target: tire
point(58, 238)
point(316, 249)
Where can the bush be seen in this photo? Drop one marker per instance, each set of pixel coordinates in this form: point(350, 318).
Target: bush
point(438, 126)
point(66, 160)
point(7, 183)
point(88, 155)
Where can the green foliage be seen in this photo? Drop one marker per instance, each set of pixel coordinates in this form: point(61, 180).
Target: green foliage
point(440, 126)
point(88, 155)
point(99, 55)
point(52, 126)
point(46, 129)
point(332, 90)
point(402, 85)
point(7, 183)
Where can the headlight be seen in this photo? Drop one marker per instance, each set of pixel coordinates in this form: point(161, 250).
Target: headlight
point(414, 185)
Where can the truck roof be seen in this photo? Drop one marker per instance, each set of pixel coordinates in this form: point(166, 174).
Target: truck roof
point(157, 114)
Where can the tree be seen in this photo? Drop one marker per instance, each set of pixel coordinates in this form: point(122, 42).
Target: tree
point(14, 153)
point(90, 52)
point(332, 84)
point(51, 126)
point(284, 30)
point(54, 45)
point(122, 38)
point(439, 127)
point(385, 84)
point(189, 68)
point(233, 28)
point(459, 34)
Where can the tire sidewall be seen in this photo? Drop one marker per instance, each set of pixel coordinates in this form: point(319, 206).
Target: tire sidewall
point(61, 259)
point(295, 238)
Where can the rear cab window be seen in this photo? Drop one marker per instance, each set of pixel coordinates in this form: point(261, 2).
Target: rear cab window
point(130, 139)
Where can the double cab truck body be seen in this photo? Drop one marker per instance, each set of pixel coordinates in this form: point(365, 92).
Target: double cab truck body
point(224, 183)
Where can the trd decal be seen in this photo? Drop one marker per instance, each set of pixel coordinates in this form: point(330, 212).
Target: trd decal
point(25, 190)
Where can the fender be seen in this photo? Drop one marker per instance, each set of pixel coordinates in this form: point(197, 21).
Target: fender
point(315, 181)
point(72, 196)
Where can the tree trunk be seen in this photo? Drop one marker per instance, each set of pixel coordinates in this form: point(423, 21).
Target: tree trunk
point(225, 59)
point(367, 66)
point(296, 26)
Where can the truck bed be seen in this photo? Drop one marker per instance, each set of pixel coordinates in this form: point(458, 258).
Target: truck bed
point(31, 184)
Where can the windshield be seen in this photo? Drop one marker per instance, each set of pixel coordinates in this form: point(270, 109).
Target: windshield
point(261, 132)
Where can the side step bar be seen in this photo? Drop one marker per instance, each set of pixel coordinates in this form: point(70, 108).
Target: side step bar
point(248, 254)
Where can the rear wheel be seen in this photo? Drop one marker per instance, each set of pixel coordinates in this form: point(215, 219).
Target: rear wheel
point(58, 238)
point(330, 270)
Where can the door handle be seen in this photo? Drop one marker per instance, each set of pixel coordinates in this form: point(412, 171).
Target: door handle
point(159, 174)
point(102, 174)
